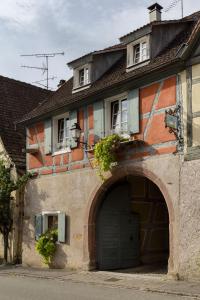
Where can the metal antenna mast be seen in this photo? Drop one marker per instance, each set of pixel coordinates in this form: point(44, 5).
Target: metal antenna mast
point(173, 4)
point(45, 68)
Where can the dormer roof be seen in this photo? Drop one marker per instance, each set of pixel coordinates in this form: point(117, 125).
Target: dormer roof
point(89, 56)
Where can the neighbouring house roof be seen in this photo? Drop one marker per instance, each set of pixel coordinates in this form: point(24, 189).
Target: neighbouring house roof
point(117, 74)
point(16, 99)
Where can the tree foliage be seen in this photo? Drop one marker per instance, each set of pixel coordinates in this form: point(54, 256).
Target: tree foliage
point(7, 186)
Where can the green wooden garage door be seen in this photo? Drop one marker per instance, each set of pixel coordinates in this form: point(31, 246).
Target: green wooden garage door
point(117, 232)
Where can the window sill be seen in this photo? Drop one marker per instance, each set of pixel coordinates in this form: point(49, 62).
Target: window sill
point(62, 151)
point(138, 65)
point(81, 88)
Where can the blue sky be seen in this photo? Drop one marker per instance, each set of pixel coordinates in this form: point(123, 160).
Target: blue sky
point(73, 26)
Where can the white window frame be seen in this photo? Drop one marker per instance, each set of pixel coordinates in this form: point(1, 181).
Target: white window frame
point(131, 56)
point(45, 215)
point(57, 151)
point(108, 120)
point(87, 78)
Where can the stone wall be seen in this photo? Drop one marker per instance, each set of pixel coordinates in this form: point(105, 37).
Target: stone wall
point(189, 249)
point(77, 194)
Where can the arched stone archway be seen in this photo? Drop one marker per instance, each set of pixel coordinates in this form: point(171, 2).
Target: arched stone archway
point(95, 202)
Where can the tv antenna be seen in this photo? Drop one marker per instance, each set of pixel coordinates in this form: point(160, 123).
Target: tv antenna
point(173, 4)
point(45, 66)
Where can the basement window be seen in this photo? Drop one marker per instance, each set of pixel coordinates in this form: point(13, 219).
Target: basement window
point(52, 222)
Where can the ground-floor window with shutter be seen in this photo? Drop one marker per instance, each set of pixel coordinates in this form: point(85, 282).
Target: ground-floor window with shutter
point(49, 221)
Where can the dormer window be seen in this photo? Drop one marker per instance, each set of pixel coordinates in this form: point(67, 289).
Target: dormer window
point(138, 53)
point(82, 77)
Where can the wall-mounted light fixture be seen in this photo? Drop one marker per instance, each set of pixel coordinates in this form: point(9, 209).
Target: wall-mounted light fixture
point(76, 132)
point(76, 135)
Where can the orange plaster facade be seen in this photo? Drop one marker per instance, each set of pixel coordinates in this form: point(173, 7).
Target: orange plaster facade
point(154, 100)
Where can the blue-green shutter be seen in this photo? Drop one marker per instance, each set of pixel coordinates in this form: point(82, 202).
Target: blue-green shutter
point(48, 136)
point(61, 227)
point(133, 111)
point(38, 226)
point(73, 120)
point(99, 129)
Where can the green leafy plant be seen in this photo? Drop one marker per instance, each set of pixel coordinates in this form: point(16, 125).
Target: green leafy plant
point(105, 153)
point(46, 245)
point(8, 185)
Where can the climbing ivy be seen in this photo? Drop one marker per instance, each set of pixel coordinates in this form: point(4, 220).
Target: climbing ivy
point(46, 245)
point(105, 153)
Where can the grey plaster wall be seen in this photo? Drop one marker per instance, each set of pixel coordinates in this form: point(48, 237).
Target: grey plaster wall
point(189, 248)
point(74, 192)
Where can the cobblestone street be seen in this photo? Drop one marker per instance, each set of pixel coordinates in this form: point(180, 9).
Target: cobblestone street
point(27, 284)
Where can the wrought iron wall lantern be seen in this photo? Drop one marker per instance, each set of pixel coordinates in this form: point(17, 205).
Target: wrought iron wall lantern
point(173, 122)
point(76, 136)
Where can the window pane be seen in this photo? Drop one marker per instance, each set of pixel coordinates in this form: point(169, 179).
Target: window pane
point(67, 128)
point(144, 45)
point(86, 76)
point(115, 107)
point(60, 130)
point(81, 77)
point(124, 116)
point(124, 105)
point(52, 222)
point(115, 115)
point(136, 51)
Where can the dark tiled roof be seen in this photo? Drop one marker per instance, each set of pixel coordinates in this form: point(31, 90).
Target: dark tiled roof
point(114, 76)
point(16, 100)
point(105, 50)
point(193, 17)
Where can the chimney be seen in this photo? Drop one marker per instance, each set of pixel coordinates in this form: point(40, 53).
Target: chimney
point(155, 12)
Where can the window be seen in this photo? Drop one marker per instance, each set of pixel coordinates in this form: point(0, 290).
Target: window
point(83, 76)
point(119, 116)
point(61, 133)
point(52, 222)
point(140, 52)
point(137, 53)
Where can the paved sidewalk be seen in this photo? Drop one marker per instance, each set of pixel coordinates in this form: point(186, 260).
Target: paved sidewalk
point(149, 282)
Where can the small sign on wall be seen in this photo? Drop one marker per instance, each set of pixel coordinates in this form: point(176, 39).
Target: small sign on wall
point(171, 121)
